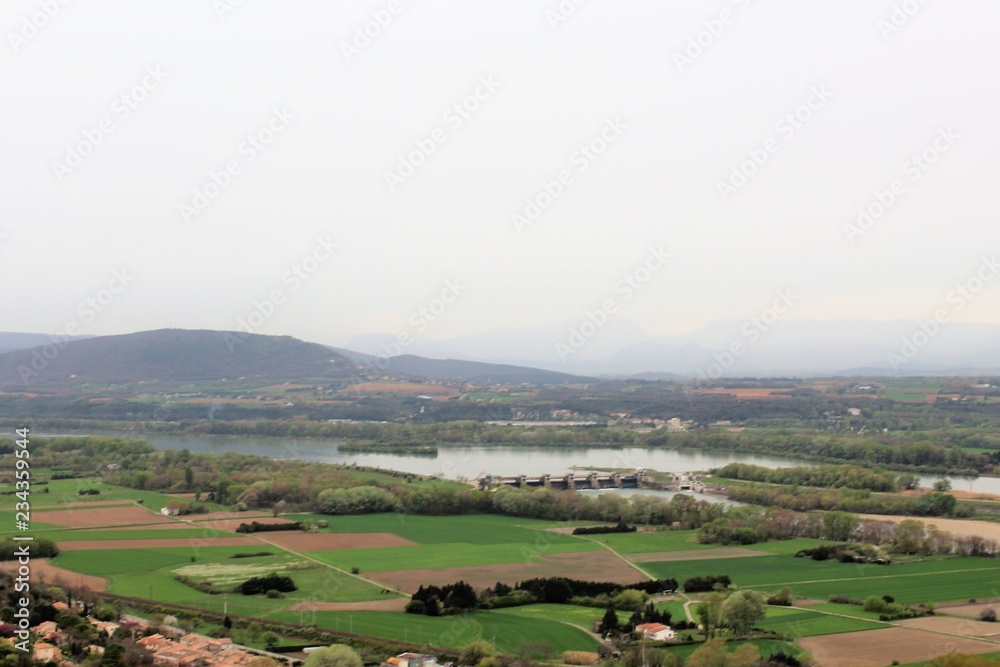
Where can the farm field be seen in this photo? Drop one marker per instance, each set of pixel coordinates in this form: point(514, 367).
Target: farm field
point(877, 648)
point(654, 541)
point(588, 565)
point(508, 630)
point(806, 623)
point(402, 552)
point(434, 556)
point(584, 617)
point(939, 580)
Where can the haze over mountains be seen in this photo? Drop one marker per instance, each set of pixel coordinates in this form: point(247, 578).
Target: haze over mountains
point(727, 348)
point(786, 347)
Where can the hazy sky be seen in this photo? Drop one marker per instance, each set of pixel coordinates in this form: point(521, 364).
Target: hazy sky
point(412, 149)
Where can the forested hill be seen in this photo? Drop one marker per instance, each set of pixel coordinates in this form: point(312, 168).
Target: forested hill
point(458, 369)
point(172, 355)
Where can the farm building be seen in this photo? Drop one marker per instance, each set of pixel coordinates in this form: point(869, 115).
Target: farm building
point(656, 631)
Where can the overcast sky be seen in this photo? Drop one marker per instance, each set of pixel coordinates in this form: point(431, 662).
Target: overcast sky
point(739, 138)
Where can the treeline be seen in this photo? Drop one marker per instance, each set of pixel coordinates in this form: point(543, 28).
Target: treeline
point(849, 500)
point(461, 597)
point(256, 527)
point(37, 548)
point(707, 583)
point(830, 476)
point(265, 584)
point(620, 527)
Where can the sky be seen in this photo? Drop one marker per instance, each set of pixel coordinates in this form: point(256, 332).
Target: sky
point(432, 169)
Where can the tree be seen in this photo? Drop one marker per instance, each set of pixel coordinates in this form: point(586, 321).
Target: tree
point(710, 613)
point(610, 621)
point(475, 652)
point(942, 485)
point(743, 610)
point(909, 536)
point(839, 526)
point(712, 654)
point(335, 655)
point(270, 640)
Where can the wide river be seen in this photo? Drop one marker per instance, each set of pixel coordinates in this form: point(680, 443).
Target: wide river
point(471, 462)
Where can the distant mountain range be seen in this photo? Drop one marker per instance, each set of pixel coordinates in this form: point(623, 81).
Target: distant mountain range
point(171, 355)
point(727, 348)
point(779, 348)
point(456, 369)
point(183, 356)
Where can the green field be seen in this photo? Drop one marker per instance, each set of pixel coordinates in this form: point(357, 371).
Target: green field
point(62, 491)
point(584, 617)
point(648, 542)
point(767, 647)
point(805, 623)
point(507, 630)
point(183, 530)
point(149, 574)
point(469, 529)
point(458, 554)
point(938, 580)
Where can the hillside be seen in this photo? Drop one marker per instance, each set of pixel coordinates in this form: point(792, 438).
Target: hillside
point(172, 356)
point(457, 369)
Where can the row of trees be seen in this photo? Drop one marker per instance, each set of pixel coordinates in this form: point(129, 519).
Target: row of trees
point(829, 476)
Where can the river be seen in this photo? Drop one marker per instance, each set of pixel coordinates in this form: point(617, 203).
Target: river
point(457, 462)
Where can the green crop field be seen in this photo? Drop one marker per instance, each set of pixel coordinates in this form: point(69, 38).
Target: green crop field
point(183, 530)
point(507, 630)
point(584, 617)
point(939, 580)
point(442, 555)
point(8, 522)
point(805, 623)
point(471, 529)
point(767, 647)
point(62, 491)
point(786, 547)
point(111, 562)
point(648, 542)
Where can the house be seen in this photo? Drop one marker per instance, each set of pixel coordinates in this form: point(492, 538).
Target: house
point(45, 652)
point(107, 627)
point(656, 631)
point(412, 660)
point(47, 630)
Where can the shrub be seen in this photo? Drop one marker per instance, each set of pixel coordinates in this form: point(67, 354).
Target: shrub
point(258, 585)
point(580, 658)
point(989, 615)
